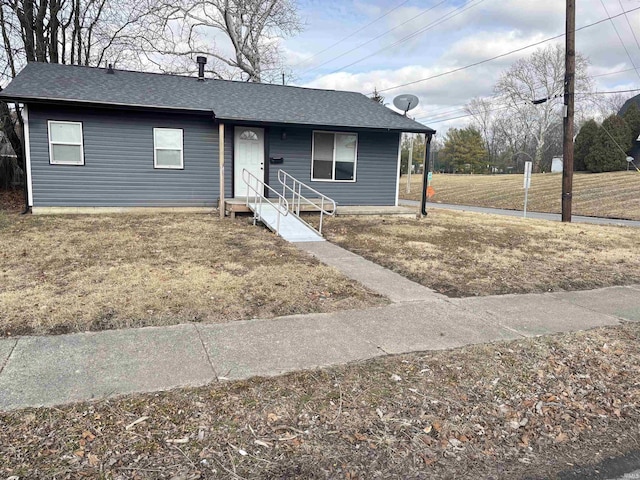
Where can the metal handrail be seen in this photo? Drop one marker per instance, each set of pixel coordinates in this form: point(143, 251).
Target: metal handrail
point(296, 197)
point(257, 186)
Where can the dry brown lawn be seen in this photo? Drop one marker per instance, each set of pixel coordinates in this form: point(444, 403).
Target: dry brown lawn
point(615, 194)
point(466, 254)
point(63, 274)
point(530, 408)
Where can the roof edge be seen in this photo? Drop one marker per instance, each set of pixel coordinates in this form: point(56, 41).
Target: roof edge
point(203, 111)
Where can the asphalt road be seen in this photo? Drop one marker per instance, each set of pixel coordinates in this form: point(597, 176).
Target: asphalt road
point(519, 213)
point(624, 467)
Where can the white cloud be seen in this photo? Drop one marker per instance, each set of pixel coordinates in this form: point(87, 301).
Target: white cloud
point(489, 29)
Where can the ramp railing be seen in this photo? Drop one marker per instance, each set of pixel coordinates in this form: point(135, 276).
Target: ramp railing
point(255, 193)
point(298, 191)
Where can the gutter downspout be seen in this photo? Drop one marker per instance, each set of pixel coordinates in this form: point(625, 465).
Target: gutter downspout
point(425, 173)
point(27, 207)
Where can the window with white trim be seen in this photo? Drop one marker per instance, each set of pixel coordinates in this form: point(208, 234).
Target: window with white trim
point(167, 148)
point(65, 143)
point(334, 156)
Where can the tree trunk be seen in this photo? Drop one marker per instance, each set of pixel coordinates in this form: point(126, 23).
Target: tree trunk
point(54, 25)
point(7, 125)
point(40, 42)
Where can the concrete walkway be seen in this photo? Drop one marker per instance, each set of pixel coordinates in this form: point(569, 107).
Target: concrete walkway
point(379, 279)
point(518, 213)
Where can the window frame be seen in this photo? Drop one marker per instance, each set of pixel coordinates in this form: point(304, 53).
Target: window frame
point(333, 169)
point(52, 161)
point(155, 150)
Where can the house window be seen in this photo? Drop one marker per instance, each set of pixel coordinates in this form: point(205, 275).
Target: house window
point(248, 135)
point(65, 143)
point(167, 148)
point(334, 156)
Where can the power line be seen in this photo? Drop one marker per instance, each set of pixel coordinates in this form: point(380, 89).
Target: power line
point(439, 120)
point(613, 139)
point(619, 37)
point(449, 110)
point(374, 38)
point(605, 92)
point(630, 27)
point(352, 34)
point(614, 73)
point(475, 64)
point(435, 23)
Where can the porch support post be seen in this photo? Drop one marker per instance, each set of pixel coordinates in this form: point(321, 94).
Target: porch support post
point(221, 161)
point(425, 172)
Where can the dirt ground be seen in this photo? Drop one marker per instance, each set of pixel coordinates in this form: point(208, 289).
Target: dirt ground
point(524, 409)
point(465, 254)
point(62, 274)
point(613, 194)
point(11, 200)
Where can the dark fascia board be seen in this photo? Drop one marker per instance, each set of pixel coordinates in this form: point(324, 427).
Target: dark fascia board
point(110, 106)
point(238, 121)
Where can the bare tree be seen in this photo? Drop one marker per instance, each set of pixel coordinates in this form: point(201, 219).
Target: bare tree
point(540, 77)
point(250, 32)
point(608, 104)
point(81, 32)
point(483, 116)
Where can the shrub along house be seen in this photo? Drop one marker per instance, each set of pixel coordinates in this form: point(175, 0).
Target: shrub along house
point(110, 138)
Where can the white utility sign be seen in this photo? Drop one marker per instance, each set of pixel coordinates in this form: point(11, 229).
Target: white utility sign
point(527, 184)
point(527, 174)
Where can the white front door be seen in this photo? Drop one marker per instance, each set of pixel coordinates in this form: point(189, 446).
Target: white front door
point(248, 154)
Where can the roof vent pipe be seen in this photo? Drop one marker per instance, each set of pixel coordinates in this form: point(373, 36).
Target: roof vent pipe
point(110, 69)
point(202, 61)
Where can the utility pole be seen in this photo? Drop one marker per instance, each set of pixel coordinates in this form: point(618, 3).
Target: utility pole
point(569, 100)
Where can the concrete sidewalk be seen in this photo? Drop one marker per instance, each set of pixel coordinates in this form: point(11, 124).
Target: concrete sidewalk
point(53, 370)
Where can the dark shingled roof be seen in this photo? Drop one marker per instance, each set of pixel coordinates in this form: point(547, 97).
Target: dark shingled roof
point(229, 100)
point(628, 104)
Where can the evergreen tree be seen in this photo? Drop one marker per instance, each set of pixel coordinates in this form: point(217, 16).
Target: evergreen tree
point(376, 97)
point(632, 117)
point(607, 154)
point(584, 141)
point(464, 149)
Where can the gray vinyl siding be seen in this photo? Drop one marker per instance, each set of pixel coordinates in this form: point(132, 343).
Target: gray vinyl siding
point(118, 153)
point(376, 171)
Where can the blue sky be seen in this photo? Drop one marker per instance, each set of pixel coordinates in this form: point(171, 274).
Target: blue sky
point(476, 29)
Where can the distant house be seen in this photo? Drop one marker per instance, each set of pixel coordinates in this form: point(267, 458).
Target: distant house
point(635, 149)
point(99, 137)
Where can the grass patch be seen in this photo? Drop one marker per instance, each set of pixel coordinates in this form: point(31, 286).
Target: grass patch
point(466, 254)
point(524, 409)
point(613, 194)
point(67, 274)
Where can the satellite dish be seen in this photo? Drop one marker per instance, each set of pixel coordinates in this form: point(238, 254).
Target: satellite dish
point(406, 102)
